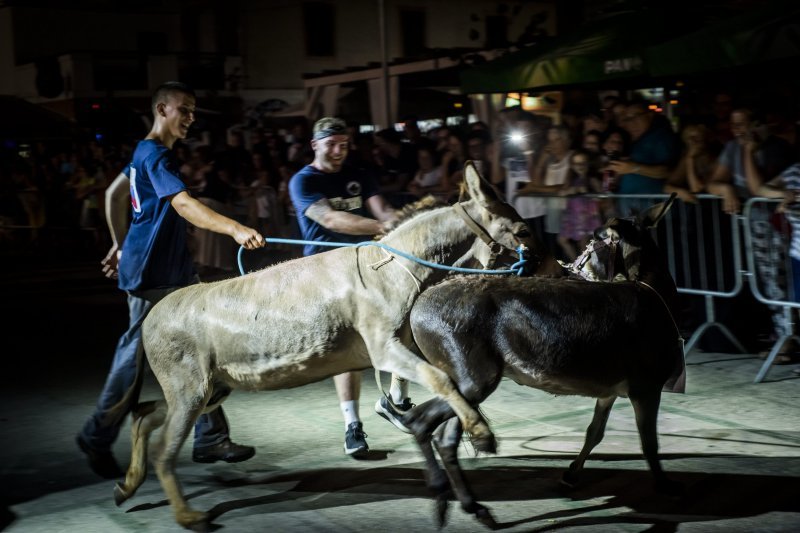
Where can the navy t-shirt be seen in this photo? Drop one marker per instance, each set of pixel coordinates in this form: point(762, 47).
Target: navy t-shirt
point(155, 252)
point(657, 146)
point(346, 190)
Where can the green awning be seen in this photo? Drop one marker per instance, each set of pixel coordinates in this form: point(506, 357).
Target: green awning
point(768, 33)
point(642, 47)
point(605, 51)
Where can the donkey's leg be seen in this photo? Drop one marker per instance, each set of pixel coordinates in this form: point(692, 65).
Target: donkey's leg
point(645, 407)
point(446, 439)
point(424, 416)
point(594, 434)
point(184, 407)
point(396, 358)
point(147, 416)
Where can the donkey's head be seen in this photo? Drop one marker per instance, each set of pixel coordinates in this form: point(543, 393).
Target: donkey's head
point(501, 230)
point(623, 249)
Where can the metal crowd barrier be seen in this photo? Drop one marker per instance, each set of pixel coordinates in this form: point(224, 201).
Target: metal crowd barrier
point(769, 268)
point(705, 249)
point(702, 246)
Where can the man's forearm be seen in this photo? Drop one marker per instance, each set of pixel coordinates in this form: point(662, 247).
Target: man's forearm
point(117, 208)
point(350, 224)
point(651, 171)
point(202, 216)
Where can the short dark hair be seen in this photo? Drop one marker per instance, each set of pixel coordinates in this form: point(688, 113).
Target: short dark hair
point(167, 89)
point(327, 126)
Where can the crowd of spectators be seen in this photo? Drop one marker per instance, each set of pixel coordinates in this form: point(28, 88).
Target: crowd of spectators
point(615, 150)
point(617, 146)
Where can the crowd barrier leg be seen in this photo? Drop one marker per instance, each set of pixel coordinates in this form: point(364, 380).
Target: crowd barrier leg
point(776, 348)
point(711, 321)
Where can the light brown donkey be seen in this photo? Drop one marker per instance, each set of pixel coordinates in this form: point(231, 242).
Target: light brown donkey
point(308, 319)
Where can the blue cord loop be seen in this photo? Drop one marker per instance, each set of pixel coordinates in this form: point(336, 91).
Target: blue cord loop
point(519, 268)
point(522, 267)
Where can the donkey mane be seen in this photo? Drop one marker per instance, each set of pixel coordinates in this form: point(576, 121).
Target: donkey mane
point(410, 211)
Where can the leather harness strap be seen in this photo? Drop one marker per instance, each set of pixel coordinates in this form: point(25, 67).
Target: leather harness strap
point(495, 248)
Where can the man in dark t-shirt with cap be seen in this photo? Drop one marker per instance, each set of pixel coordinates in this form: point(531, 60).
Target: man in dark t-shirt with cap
point(336, 203)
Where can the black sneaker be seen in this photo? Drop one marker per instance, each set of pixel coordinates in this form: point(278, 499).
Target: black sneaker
point(393, 412)
point(227, 451)
point(355, 441)
point(101, 462)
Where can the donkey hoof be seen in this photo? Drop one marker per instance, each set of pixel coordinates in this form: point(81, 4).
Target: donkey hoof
point(120, 494)
point(442, 505)
point(484, 443)
point(485, 517)
point(194, 520)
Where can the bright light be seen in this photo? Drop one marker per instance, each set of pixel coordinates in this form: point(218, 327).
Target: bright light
point(516, 137)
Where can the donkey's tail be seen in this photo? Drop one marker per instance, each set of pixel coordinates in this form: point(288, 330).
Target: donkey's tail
point(677, 381)
point(117, 412)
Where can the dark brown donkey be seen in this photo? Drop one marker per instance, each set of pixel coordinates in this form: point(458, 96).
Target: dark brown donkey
point(563, 336)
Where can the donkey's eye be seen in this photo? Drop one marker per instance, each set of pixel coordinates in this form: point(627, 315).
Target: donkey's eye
point(523, 233)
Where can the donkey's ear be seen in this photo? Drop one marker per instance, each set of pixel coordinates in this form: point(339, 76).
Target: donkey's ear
point(651, 216)
point(477, 187)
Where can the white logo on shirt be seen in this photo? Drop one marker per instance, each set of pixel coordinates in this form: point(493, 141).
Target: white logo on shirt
point(137, 206)
point(346, 204)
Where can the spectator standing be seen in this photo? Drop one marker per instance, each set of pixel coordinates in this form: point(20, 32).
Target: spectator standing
point(695, 166)
point(399, 162)
point(411, 130)
point(791, 206)
point(738, 176)
point(263, 196)
point(519, 168)
point(581, 215)
point(430, 177)
point(549, 176)
point(454, 156)
point(481, 151)
point(653, 153)
point(591, 144)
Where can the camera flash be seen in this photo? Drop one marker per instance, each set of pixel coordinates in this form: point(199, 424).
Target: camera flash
point(516, 137)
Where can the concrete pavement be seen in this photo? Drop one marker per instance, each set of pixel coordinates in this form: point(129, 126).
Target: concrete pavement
point(735, 445)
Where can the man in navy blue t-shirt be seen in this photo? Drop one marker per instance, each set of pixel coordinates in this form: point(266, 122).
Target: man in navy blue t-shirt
point(153, 261)
point(337, 203)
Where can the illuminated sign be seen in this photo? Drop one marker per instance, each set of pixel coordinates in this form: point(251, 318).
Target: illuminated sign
point(624, 64)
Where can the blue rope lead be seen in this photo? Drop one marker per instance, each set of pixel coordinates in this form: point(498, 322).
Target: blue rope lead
point(517, 268)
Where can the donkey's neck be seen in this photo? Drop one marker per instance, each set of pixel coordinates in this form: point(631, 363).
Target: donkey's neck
point(439, 236)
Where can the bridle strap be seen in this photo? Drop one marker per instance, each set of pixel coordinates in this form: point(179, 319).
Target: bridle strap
point(576, 267)
point(495, 248)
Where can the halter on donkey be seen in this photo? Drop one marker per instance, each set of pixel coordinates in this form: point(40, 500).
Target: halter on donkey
point(306, 320)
